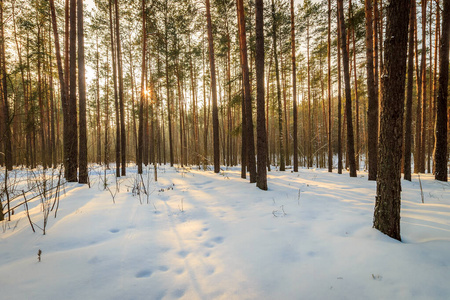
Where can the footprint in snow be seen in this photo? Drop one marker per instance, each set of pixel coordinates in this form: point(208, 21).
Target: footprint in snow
point(218, 239)
point(210, 270)
point(114, 230)
point(211, 243)
point(183, 253)
point(144, 274)
point(163, 268)
point(178, 293)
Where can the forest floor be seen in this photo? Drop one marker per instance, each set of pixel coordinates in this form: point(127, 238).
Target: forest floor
point(200, 235)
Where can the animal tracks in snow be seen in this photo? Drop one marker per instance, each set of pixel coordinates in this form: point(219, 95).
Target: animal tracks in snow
point(211, 243)
point(145, 273)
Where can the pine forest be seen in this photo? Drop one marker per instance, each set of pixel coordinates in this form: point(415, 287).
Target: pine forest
point(216, 111)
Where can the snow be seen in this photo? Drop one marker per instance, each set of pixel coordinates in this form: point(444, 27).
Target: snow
point(215, 236)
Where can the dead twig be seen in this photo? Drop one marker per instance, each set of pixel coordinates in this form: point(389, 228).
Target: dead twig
point(28, 213)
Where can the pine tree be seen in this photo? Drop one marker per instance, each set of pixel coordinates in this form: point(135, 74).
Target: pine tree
point(440, 154)
point(213, 90)
point(388, 198)
point(261, 119)
point(348, 97)
point(83, 159)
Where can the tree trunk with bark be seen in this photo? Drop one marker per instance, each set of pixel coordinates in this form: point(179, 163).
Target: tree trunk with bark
point(6, 118)
point(83, 168)
point(40, 100)
point(387, 205)
point(440, 155)
point(249, 137)
point(261, 117)
point(72, 133)
point(330, 148)
point(348, 97)
point(372, 113)
point(99, 126)
point(423, 130)
point(215, 113)
point(339, 108)
point(294, 87)
point(409, 95)
point(141, 102)
point(123, 145)
point(282, 161)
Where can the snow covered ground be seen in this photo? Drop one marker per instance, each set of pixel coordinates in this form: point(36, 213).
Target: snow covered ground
point(201, 235)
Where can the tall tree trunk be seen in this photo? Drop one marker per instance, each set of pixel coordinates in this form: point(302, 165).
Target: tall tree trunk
point(99, 126)
point(339, 110)
point(375, 60)
point(205, 115)
point(294, 87)
point(440, 155)
point(123, 144)
point(169, 108)
point(25, 92)
point(372, 113)
point(309, 133)
point(72, 112)
point(40, 100)
point(141, 102)
point(30, 115)
point(409, 95)
point(215, 113)
point(250, 147)
point(107, 113)
point(431, 105)
point(261, 140)
point(417, 140)
point(387, 205)
point(277, 75)
point(244, 157)
point(229, 120)
point(435, 79)
point(52, 112)
point(286, 115)
point(267, 113)
point(83, 169)
point(380, 32)
point(116, 100)
point(6, 117)
point(355, 74)
point(66, 104)
point(348, 97)
point(194, 105)
point(330, 148)
point(180, 108)
point(423, 140)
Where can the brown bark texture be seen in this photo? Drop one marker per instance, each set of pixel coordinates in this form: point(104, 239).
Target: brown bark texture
point(348, 98)
point(441, 155)
point(388, 198)
point(261, 142)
